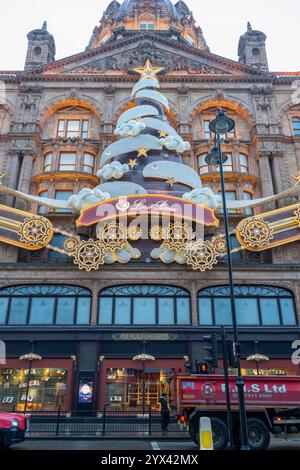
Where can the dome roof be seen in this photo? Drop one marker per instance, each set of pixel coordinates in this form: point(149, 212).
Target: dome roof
point(167, 8)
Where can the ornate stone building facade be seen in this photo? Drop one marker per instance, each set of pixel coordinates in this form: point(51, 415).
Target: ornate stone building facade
point(56, 117)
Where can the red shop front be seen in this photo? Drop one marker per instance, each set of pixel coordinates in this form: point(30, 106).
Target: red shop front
point(126, 384)
point(43, 385)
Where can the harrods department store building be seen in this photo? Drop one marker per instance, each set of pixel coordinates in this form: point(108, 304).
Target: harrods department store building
point(88, 329)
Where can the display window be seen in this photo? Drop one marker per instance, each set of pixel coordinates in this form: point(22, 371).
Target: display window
point(129, 389)
point(44, 390)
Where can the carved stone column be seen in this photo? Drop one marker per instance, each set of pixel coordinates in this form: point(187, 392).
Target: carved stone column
point(183, 97)
point(266, 180)
point(109, 99)
point(24, 180)
point(12, 170)
point(94, 313)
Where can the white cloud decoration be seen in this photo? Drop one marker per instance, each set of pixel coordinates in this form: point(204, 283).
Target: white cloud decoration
point(87, 197)
point(113, 170)
point(175, 142)
point(204, 196)
point(131, 128)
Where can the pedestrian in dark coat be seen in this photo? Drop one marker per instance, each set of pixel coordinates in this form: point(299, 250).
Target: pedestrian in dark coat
point(165, 412)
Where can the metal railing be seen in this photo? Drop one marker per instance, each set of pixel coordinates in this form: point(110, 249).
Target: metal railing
point(101, 423)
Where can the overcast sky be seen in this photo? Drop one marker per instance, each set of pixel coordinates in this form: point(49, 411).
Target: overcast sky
point(72, 21)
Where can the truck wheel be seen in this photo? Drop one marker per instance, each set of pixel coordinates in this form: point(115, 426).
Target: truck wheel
point(219, 432)
point(258, 434)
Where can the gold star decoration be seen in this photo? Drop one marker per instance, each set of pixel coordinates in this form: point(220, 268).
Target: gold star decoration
point(1, 178)
point(297, 178)
point(163, 134)
point(171, 182)
point(148, 71)
point(142, 152)
point(132, 163)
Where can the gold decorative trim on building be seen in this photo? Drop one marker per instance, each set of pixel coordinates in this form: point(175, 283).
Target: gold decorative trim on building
point(60, 175)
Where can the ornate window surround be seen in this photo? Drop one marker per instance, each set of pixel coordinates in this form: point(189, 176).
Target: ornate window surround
point(247, 291)
point(56, 292)
point(155, 292)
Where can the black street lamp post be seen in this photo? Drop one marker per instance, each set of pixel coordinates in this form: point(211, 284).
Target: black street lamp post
point(220, 126)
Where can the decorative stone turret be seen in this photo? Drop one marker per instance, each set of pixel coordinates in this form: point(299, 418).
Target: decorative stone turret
point(41, 48)
point(252, 49)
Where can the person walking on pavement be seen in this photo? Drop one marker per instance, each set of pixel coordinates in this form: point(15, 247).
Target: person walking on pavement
point(165, 412)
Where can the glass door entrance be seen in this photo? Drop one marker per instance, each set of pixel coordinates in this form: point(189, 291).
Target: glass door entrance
point(130, 389)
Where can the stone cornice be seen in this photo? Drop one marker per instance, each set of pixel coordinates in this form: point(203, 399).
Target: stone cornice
point(114, 46)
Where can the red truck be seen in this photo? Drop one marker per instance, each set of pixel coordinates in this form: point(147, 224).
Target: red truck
point(272, 405)
point(13, 427)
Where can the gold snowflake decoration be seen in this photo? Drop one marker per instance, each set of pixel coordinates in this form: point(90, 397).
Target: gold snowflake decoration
point(36, 231)
point(89, 255)
point(255, 232)
point(113, 235)
point(156, 233)
point(134, 232)
point(177, 235)
point(201, 255)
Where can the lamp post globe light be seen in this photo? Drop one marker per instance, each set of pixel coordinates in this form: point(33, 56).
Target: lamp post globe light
point(221, 125)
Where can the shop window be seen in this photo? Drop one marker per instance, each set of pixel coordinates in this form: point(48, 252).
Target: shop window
point(130, 389)
point(67, 161)
point(256, 305)
point(46, 389)
point(63, 196)
point(69, 128)
point(45, 304)
point(88, 163)
point(244, 164)
point(48, 162)
point(144, 305)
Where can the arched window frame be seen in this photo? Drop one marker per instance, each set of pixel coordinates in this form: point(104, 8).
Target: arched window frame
point(27, 292)
point(246, 291)
point(141, 291)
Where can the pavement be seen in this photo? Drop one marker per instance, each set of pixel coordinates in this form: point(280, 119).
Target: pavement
point(156, 445)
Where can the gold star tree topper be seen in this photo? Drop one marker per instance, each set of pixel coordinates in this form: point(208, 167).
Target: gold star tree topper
point(148, 71)
point(297, 179)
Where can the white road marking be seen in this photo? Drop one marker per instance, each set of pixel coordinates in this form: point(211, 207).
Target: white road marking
point(155, 446)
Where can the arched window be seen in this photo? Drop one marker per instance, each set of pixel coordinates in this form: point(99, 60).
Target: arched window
point(255, 304)
point(45, 304)
point(296, 126)
point(147, 304)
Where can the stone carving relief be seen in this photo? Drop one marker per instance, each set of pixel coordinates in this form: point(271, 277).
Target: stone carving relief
point(29, 98)
point(146, 50)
